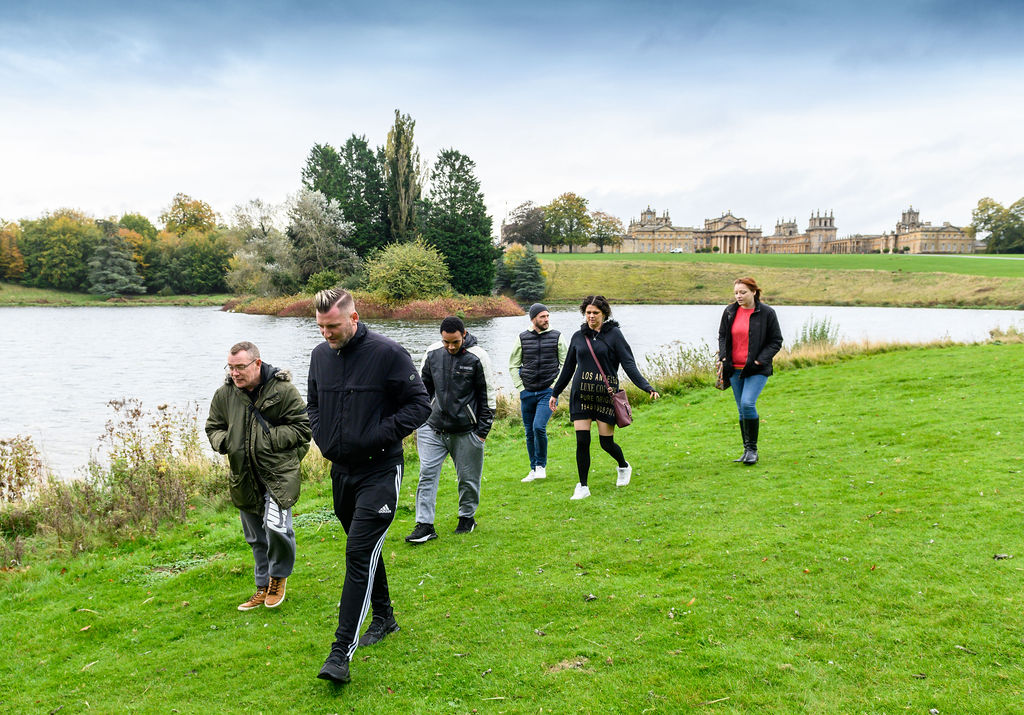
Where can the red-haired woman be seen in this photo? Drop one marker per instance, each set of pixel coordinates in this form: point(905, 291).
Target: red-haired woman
point(748, 339)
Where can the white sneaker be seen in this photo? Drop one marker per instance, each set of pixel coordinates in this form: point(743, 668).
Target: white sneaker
point(540, 473)
point(530, 477)
point(581, 492)
point(624, 473)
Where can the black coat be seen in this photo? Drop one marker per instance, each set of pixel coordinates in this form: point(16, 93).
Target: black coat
point(611, 348)
point(765, 339)
point(364, 398)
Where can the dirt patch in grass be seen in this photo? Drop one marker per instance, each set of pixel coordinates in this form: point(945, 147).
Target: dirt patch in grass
point(577, 663)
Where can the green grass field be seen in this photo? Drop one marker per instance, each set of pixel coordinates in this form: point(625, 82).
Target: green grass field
point(796, 280)
point(851, 570)
point(1011, 266)
point(12, 294)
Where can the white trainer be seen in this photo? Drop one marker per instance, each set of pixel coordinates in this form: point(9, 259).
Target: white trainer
point(540, 473)
point(530, 477)
point(624, 473)
point(581, 492)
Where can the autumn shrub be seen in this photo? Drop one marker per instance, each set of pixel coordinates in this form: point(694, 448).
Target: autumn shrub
point(21, 468)
point(1012, 334)
point(149, 466)
point(407, 271)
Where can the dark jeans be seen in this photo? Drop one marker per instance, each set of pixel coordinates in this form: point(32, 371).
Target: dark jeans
point(536, 413)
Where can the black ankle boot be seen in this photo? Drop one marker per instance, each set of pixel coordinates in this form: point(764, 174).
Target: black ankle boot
point(750, 447)
point(743, 433)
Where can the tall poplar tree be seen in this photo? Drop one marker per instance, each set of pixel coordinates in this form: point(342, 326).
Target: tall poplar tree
point(405, 176)
point(455, 220)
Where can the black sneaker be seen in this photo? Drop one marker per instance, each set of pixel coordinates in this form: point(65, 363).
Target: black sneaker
point(378, 629)
point(335, 669)
point(421, 534)
point(466, 525)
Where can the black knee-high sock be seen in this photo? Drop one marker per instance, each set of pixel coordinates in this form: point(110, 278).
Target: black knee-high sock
point(609, 446)
point(583, 455)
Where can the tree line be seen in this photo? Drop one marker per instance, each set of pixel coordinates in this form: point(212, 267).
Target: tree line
point(1003, 224)
point(355, 203)
point(565, 222)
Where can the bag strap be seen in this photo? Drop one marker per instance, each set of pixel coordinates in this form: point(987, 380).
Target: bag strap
point(598, 363)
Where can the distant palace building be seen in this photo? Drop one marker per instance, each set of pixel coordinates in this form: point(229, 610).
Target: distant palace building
point(910, 236)
point(656, 234)
point(729, 234)
point(820, 233)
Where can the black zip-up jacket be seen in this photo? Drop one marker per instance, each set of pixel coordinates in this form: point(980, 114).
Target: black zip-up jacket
point(764, 341)
point(461, 390)
point(364, 398)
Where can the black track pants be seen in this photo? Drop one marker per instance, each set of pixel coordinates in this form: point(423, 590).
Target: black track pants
point(365, 504)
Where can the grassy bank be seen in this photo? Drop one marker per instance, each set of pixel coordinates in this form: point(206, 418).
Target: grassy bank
point(12, 294)
point(811, 280)
point(851, 570)
point(1009, 265)
point(370, 307)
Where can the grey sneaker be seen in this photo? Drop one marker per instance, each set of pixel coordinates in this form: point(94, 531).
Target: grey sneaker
point(466, 525)
point(378, 629)
point(421, 534)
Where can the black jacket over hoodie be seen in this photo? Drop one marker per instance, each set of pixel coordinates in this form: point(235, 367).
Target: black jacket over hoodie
point(765, 339)
point(364, 398)
point(461, 398)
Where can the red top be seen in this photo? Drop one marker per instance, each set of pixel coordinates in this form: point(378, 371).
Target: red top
point(740, 336)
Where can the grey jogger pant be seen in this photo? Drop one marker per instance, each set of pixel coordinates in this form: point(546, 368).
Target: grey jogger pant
point(272, 539)
point(467, 451)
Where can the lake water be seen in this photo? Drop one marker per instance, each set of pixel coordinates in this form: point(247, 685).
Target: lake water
point(63, 365)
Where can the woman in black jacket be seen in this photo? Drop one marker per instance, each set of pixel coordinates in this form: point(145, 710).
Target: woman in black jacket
point(589, 399)
point(748, 339)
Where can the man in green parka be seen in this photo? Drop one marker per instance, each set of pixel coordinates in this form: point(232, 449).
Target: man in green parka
point(258, 419)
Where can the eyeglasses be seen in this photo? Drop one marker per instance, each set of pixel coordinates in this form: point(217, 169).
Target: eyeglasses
point(239, 368)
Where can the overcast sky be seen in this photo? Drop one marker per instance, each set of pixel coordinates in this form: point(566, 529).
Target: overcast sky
point(768, 109)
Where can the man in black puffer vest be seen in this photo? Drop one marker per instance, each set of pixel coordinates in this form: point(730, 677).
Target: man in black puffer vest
point(534, 366)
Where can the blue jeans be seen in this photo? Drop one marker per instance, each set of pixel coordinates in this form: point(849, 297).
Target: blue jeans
point(746, 390)
point(536, 413)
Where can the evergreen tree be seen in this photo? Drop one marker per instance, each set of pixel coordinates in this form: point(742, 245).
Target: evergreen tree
point(112, 272)
point(528, 283)
point(519, 272)
point(363, 195)
point(405, 176)
point(322, 171)
point(455, 220)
